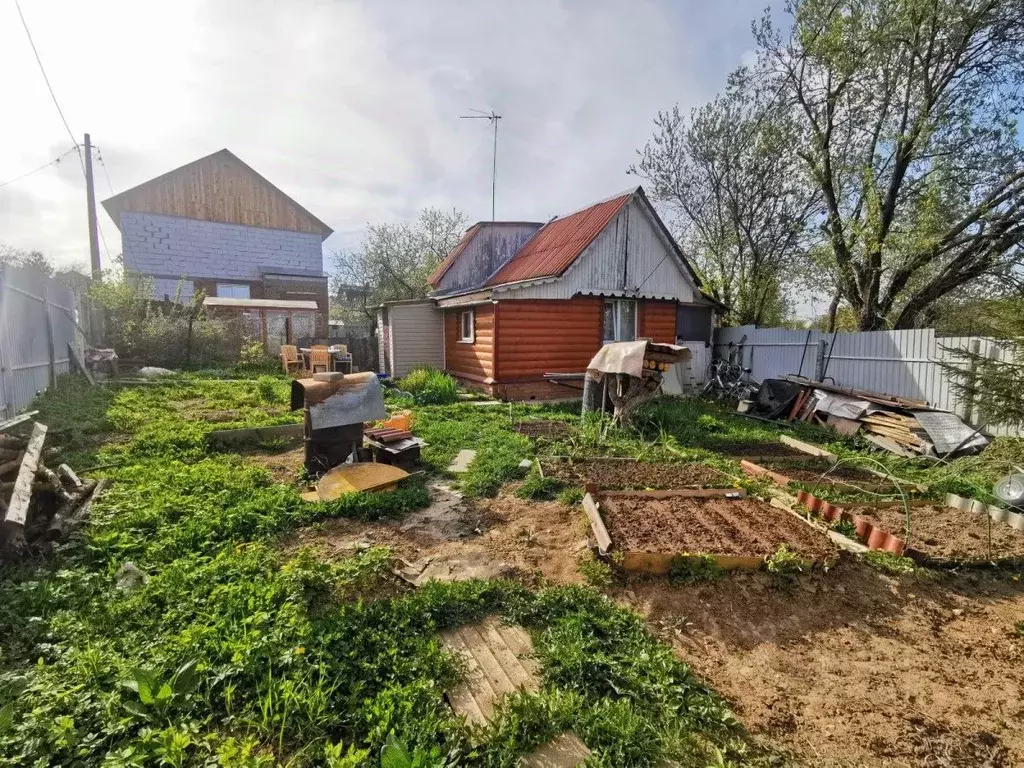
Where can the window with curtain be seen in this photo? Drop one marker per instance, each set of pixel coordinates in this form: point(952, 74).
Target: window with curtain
point(619, 320)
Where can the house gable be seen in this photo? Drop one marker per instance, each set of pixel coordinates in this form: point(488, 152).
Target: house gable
point(485, 248)
point(219, 188)
point(632, 255)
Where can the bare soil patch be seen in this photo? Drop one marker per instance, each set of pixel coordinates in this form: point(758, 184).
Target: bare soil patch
point(856, 668)
point(822, 471)
point(284, 465)
point(753, 450)
point(711, 525)
point(534, 539)
point(943, 532)
point(546, 428)
point(625, 473)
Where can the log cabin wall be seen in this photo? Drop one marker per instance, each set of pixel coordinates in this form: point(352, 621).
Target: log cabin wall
point(657, 321)
point(546, 336)
point(471, 361)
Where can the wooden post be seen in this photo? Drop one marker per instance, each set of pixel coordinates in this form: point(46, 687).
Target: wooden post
point(49, 337)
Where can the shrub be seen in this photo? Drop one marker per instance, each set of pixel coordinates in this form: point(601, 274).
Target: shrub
point(429, 386)
point(253, 358)
point(688, 569)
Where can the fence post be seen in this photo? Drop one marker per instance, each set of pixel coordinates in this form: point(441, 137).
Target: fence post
point(49, 337)
point(819, 361)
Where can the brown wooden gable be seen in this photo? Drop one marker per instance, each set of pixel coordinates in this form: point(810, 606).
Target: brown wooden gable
point(218, 187)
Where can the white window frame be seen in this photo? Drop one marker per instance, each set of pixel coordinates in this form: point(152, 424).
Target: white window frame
point(471, 337)
point(228, 290)
point(616, 331)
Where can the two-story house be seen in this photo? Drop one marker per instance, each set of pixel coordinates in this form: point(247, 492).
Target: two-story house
point(217, 225)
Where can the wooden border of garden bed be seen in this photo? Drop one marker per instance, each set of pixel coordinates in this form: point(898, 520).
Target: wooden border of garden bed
point(554, 459)
point(782, 480)
point(877, 537)
point(660, 563)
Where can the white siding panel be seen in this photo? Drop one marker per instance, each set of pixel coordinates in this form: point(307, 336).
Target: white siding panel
point(417, 336)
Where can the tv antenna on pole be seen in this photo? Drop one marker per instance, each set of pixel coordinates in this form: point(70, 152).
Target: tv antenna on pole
point(494, 117)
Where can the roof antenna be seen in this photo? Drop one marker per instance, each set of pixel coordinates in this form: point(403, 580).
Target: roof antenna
point(494, 117)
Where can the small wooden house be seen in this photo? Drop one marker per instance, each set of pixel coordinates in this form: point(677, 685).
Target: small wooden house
point(516, 305)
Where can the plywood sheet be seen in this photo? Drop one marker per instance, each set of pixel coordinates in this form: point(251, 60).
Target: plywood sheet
point(499, 660)
point(362, 476)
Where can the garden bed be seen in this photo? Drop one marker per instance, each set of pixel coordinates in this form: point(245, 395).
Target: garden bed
point(754, 450)
point(647, 531)
point(546, 428)
point(629, 473)
point(939, 534)
point(817, 471)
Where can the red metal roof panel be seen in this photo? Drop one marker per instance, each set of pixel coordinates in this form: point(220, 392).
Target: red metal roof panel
point(557, 245)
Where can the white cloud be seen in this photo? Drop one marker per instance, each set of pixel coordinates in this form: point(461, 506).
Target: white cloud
point(352, 108)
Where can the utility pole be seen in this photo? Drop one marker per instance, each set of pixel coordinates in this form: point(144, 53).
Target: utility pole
point(90, 199)
point(494, 118)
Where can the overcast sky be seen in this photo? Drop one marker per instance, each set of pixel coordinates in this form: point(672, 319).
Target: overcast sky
point(352, 108)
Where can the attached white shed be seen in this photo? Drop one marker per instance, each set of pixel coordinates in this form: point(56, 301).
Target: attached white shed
point(410, 334)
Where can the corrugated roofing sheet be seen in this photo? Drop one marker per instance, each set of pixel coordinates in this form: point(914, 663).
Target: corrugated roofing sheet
point(556, 246)
point(448, 260)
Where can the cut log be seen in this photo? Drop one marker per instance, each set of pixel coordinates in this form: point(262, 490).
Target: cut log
point(13, 441)
point(9, 468)
point(53, 481)
point(18, 509)
point(9, 454)
point(74, 512)
point(68, 477)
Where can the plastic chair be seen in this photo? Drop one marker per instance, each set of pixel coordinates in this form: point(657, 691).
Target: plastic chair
point(290, 358)
point(320, 358)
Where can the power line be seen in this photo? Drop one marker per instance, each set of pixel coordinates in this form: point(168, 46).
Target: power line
point(48, 86)
point(99, 156)
point(42, 167)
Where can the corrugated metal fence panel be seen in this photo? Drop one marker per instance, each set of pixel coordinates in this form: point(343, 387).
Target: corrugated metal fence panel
point(907, 364)
point(28, 300)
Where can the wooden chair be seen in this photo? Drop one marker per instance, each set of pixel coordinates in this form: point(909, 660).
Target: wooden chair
point(320, 358)
point(290, 358)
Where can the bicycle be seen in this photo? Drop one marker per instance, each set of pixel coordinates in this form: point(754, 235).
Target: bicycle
point(729, 380)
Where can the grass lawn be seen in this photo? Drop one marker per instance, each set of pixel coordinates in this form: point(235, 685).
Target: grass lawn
point(236, 651)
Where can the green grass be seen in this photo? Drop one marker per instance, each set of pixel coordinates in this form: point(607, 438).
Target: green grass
point(235, 652)
point(429, 386)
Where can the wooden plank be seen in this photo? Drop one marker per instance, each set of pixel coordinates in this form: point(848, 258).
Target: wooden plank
point(235, 437)
point(604, 541)
point(73, 354)
point(813, 450)
point(564, 751)
point(843, 426)
point(890, 445)
point(729, 493)
point(660, 563)
point(15, 421)
point(17, 510)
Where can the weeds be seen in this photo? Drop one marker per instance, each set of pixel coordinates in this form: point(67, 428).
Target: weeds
point(429, 386)
point(845, 527)
point(571, 497)
point(597, 573)
point(538, 488)
point(690, 569)
point(786, 564)
point(889, 563)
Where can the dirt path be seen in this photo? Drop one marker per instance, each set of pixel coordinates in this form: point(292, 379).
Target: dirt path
point(856, 668)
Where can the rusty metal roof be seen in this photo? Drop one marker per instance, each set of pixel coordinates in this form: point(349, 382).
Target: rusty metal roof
point(448, 260)
point(557, 245)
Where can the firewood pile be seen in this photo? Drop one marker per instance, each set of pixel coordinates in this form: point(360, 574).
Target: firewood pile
point(39, 505)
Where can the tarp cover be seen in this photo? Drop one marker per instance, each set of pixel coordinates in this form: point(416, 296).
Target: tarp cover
point(775, 398)
point(628, 357)
point(843, 406)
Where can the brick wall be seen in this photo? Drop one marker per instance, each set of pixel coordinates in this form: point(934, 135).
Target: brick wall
point(168, 248)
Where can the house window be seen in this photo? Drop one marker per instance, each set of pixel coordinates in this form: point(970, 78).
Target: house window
point(619, 320)
point(467, 326)
point(233, 290)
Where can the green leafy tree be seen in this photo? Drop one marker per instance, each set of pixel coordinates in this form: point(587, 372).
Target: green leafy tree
point(395, 259)
point(741, 201)
point(906, 112)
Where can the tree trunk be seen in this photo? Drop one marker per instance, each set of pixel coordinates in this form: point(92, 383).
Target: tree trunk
point(833, 309)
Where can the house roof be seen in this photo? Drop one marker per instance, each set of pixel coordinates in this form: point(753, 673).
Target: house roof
point(557, 245)
point(217, 187)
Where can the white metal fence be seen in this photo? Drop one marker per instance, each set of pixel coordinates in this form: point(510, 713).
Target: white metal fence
point(37, 322)
point(903, 363)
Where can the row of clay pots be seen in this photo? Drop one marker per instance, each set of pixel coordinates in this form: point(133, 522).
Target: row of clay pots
point(873, 536)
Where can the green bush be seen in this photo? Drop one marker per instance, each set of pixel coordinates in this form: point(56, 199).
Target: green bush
point(429, 386)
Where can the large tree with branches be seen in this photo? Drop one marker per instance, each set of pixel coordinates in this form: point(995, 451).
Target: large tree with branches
point(907, 111)
point(738, 192)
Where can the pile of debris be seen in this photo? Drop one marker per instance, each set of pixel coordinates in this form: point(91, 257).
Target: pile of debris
point(899, 425)
point(39, 505)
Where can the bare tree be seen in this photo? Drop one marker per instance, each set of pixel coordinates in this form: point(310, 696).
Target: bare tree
point(907, 126)
point(741, 200)
point(395, 260)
